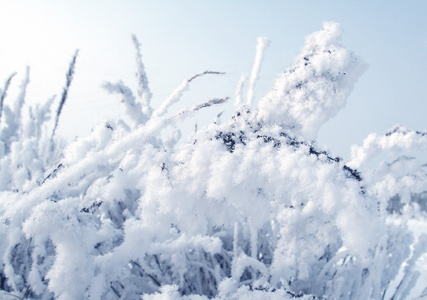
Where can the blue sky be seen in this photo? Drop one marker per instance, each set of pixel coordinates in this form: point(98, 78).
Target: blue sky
point(182, 38)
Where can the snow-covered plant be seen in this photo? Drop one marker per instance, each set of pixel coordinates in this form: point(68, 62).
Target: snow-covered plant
point(251, 208)
point(29, 152)
point(402, 176)
point(316, 87)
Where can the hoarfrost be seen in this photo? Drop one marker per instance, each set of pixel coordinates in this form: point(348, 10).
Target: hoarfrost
point(249, 209)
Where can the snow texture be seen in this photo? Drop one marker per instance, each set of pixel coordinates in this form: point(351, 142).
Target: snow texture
point(315, 87)
point(249, 209)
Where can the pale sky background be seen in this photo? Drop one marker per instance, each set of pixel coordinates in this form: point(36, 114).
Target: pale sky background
point(182, 38)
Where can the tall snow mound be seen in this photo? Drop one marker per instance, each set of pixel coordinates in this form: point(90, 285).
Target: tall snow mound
point(316, 86)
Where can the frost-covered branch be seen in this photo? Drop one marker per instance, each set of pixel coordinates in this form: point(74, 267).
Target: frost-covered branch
point(401, 177)
point(185, 113)
point(4, 92)
point(138, 110)
point(19, 103)
point(204, 73)
point(13, 113)
point(261, 47)
point(178, 92)
point(395, 141)
point(64, 96)
point(39, 116)
point(132, 108)
point(144, 92)
point(210, 103)
point(239, 90)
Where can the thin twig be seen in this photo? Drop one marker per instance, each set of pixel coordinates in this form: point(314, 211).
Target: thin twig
point(210, 103)
point(176, 95)
point(205, 73)
point(187, 112)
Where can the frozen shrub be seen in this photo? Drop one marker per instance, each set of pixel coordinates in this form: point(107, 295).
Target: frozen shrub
point(250, 209)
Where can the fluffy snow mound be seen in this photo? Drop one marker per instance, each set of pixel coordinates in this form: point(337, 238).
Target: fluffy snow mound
point(315, 87)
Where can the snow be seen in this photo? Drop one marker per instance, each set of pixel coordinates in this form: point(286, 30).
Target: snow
point(316, 87)
point(250, 208)
point(262, 46)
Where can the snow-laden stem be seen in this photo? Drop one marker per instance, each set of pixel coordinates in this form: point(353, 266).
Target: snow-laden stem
point(132, 108)
point(144, 92)
point(19, 103)
point(261, 47)
point(4, 92)
point(64, 96)
point(239, 91)
point(178, 92)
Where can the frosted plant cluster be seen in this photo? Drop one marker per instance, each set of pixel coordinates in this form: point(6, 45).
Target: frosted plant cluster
point(248, 209)
point(402, 176)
